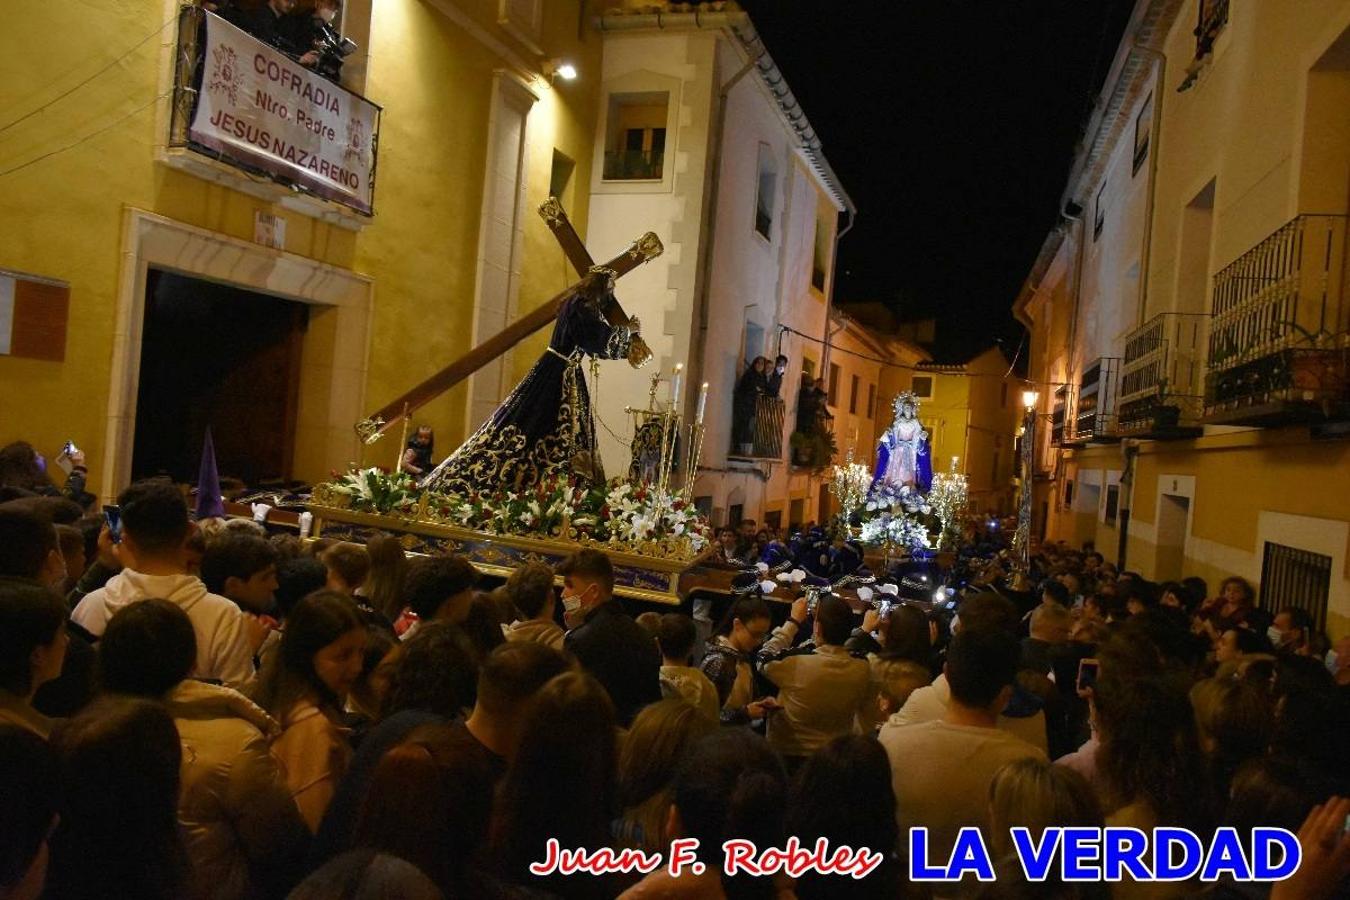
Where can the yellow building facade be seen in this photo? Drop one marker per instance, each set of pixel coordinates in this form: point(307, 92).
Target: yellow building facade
point(474, 133)
point(865, 369)
point(972, 413)
point(1189, 316)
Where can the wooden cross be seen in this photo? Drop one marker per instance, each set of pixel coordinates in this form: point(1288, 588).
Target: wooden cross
point(556, 218)
point(594, 281)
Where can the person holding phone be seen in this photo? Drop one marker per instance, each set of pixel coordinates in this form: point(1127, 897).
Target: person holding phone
point(821, 690)
point(25, 468)
point(729, 660)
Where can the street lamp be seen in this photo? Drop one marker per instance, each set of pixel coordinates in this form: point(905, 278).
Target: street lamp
point(1022, 539)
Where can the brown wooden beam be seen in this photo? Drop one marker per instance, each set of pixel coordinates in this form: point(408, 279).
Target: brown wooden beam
point(370, 429)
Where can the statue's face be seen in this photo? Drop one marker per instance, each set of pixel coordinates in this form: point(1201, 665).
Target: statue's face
point(906, 410)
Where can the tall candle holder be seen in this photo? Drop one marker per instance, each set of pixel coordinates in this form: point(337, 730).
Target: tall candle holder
point(691, 460)
point(670, 428)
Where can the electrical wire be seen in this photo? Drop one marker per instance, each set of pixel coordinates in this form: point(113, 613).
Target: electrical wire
point(75, 87)
point(88, 137)
point(895, 365)
point(1016, 356)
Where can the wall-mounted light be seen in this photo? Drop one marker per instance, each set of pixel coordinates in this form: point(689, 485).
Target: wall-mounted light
point(1029, 399)
point(559, 68)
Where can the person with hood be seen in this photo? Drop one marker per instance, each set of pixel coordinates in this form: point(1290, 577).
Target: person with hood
point(243, 832)
point(154, 528)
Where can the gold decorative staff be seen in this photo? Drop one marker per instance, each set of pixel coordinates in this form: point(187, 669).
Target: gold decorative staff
point(670, 427)
point(695, 449)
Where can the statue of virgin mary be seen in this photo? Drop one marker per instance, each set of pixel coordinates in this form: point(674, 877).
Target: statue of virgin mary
point(904, 462)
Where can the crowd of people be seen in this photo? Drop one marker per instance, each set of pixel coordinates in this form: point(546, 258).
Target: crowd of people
point(205, 710)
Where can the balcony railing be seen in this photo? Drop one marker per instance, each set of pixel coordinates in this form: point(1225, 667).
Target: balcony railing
point(634, 165)
point(1160, 381)
point(1278, 343)
point(1095, 418)
point(1061, 418)
point(241, 102)
point(767, 433)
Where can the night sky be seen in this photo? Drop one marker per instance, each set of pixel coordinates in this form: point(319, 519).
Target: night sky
point(952, 125)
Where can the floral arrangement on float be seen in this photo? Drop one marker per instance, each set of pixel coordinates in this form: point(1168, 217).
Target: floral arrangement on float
point(895, 529)
point(879, 514)
point(617, 516)
point(372, 490)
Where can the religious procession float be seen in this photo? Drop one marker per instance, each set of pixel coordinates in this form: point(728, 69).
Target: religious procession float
point(528, 485)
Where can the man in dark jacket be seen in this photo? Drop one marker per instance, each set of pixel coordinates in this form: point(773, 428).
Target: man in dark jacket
point(269, 22)
point(604, 638)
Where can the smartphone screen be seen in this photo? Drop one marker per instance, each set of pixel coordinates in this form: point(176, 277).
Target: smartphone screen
point(112, 515)
point(1087, 674)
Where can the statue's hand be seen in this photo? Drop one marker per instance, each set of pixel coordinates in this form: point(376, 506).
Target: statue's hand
point(639, 354)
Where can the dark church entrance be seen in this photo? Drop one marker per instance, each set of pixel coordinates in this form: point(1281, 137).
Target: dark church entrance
point(219, 356)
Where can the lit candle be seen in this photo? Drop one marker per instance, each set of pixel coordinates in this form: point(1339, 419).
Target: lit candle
point(955, 460)
point(675, 386)
point(702, 403)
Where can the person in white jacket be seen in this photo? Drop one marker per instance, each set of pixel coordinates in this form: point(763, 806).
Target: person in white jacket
point(243, 832)
point(154, 528)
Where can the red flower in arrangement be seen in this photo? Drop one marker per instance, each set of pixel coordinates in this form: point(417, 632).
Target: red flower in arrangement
point(604, 511)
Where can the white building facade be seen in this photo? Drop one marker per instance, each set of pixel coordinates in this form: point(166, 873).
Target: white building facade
point(700, 140)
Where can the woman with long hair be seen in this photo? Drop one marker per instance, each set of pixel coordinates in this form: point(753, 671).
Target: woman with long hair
point(388, 574)
point(1036, 795)
point(752, 383)
point(559, 785)
point(729, 786)
point(901, 657)
point(308, 680)
point(1149, 757)
point(659, 738)
point(119, 835)
point(843, 793)
point(430, 801)
point(1235, 723)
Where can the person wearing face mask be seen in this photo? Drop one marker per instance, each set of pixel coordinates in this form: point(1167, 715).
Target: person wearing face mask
point(1290, 630)
point(604, 638)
